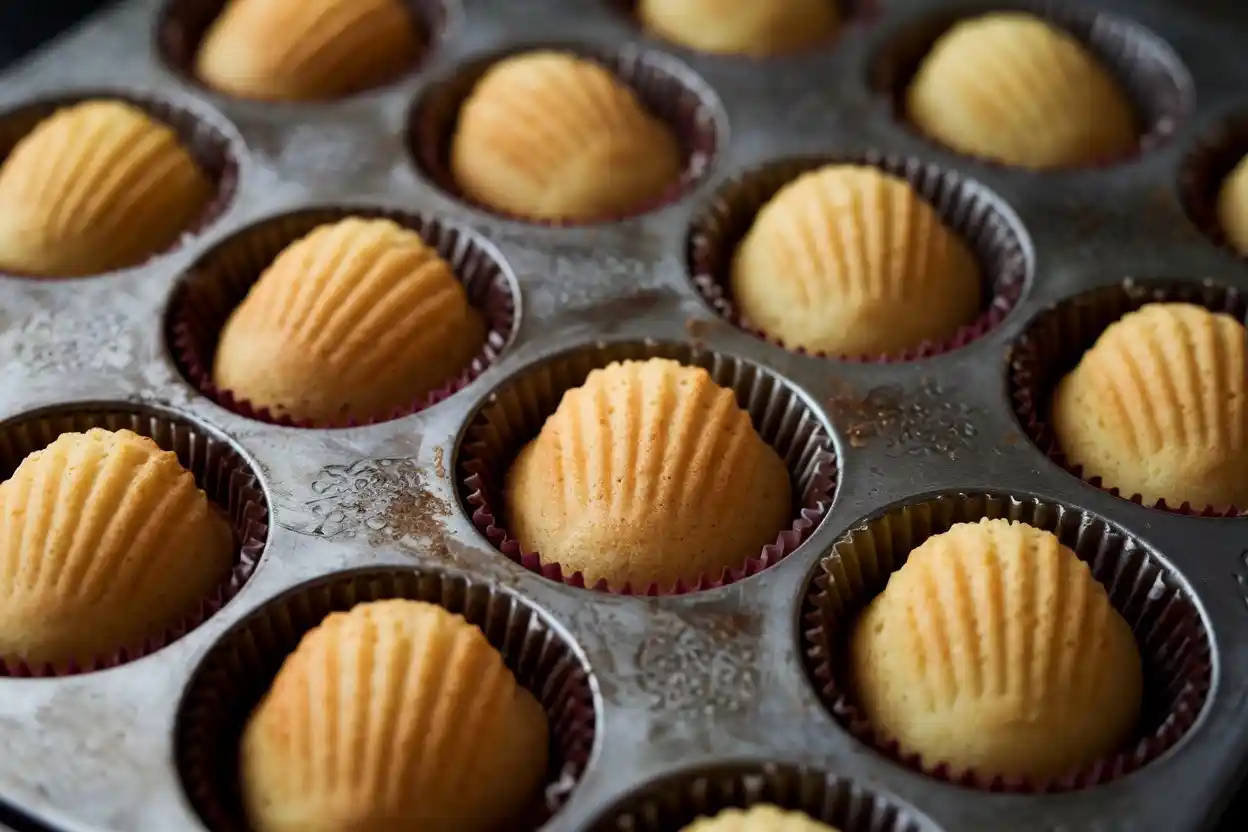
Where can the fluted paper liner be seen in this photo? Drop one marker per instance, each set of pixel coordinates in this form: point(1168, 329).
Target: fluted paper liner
point(218, 282)
point(672, 802)
point(208, 141)
point(1144, 66)
point(1168, 627)
point(516, 412)
point(224, 475)
point(1056, 339)
point(968, 209)
point(1205, 171)
point(241, 666)
point(182, 25)
point(664, 87)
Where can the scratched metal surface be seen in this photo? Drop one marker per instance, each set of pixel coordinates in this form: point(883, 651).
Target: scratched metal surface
point(705, 677)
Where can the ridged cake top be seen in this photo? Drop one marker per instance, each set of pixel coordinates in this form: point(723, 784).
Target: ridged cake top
point(1159, 407)
point(547, 135)
point(994, 649)
point(848, 259)
point(105, 540)
point(396, 715)
point(95, 186)
point(356, 319)
point(1010, 87)
point(758, 818)
point(734, 27)
point(299, 50)
point(648, 473)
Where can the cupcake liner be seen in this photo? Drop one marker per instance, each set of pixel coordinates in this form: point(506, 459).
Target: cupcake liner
point(182, 25)
point(215, 285)
point(1206, 168)
point(213, 146)
point(965, 207)
point(675, 801)
point(1169, 630)
point(1054, 342)
point(665, 87)
point(515, 413)
point(240, 668)
point(1142, 63)
point(219, 470)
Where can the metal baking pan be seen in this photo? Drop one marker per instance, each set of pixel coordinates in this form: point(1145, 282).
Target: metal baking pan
point(671, 704)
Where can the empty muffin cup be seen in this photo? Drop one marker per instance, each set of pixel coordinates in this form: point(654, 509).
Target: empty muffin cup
point(516, 412)
point(227, 479)
point(1169, 630)
point(240, 668)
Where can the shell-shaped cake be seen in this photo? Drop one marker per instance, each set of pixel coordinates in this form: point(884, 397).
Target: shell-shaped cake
point(397, 715)
point(105, 541)
point(850, 260)
point(303, 50)
point(995, 650)
point(1159, 407)
point(550, 136)
point(353, 321)
point(647, 474)
point(1233, 207)
point(759, 818)
point(95, 186)
point(733, 27)
point(1010, 87)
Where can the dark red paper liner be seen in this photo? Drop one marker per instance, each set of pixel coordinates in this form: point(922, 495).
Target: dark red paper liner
point(516, 411)
point(1168, 627)
point(211, 142)
point(1206, 168)
point(224, 475)
point(674, 801)
point(215, 285)
point(1143, 64)
point(1057, 338)
point(233, 677)
point(667, 88)
point(182, 25)
point(967, 208)
point(851, 12)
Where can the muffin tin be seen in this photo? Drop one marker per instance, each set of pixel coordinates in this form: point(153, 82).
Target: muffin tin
point(664, 706)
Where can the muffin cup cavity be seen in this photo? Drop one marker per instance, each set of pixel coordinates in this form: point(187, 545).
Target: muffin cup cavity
point(216, 284)
point(1143, 64)
point(516, 412)
point(677, 800)
point(967, 208)
point(1169, 628)
point(235, 675)
point(665, 87)
point(182, 25)
point(223, 474)
point(210, 141)
point(1058, 337)
point(1205, 171)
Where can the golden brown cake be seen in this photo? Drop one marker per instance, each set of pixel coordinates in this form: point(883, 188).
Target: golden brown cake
point(1159, 407)
point(758, 818)
point(106, 542)
point(95, 186)
point(353, 321)
point(850, 260)
point(1010, 87)
point(397, 716)
point(995, 650)
point(1233, 207)
point(648, 473)
point(300, 50)
point(743, 28)
point(550, 136)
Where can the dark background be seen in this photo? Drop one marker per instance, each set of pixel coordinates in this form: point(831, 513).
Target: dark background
point(24, 24)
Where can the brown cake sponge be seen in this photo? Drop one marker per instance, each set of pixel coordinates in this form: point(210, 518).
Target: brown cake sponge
point(1232, 207)
point(743, 28)
point(758, 818)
